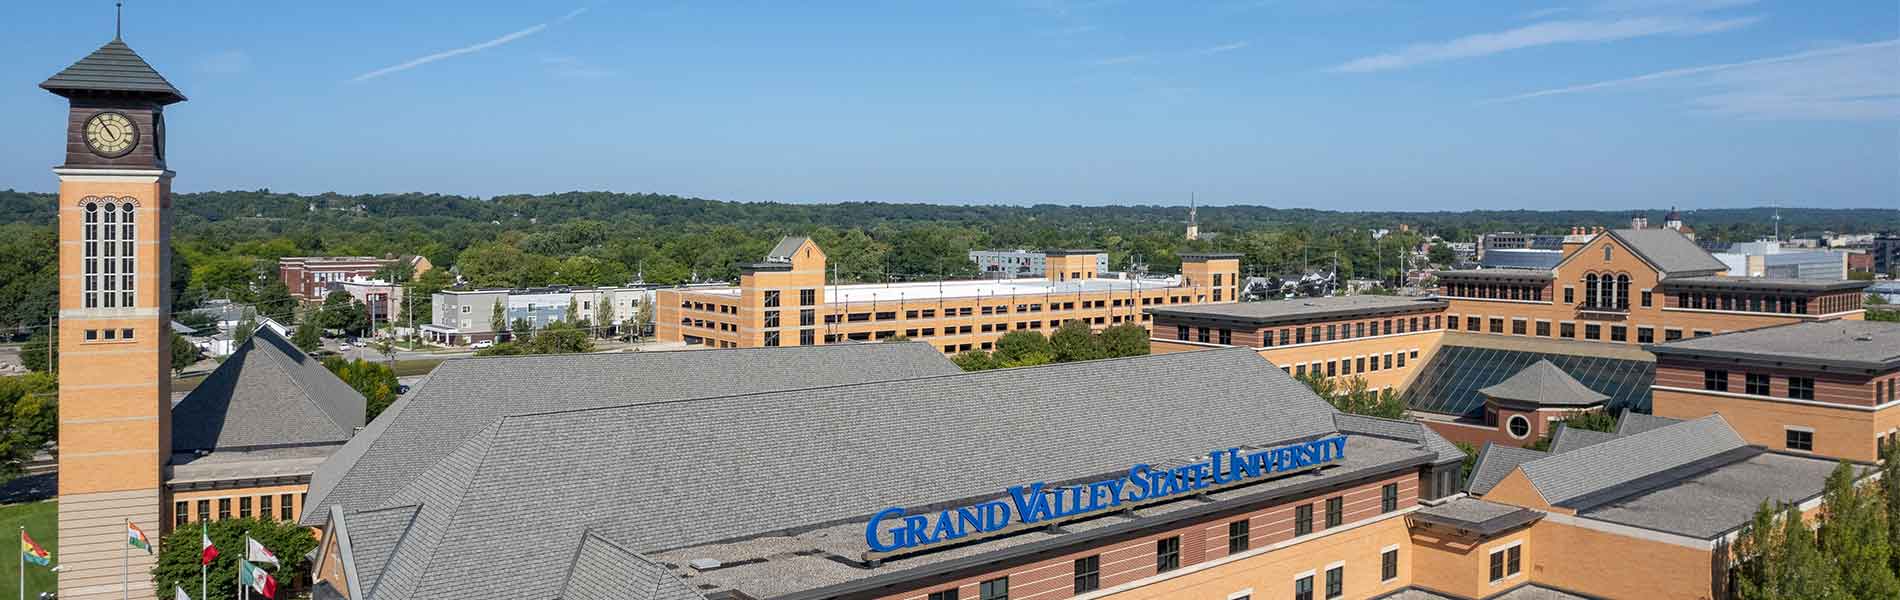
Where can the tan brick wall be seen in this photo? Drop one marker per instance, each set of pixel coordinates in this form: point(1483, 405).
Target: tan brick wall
point(1462, 565)
point(275, 492)
point(1608, 565)
point(1838, 432)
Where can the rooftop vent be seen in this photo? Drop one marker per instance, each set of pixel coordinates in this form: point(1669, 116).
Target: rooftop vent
point(704, 564)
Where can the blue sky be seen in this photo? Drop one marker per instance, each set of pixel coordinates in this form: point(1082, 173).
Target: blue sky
point(1346, 104)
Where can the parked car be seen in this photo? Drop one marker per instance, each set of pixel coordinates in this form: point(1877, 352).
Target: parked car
point(484, 344)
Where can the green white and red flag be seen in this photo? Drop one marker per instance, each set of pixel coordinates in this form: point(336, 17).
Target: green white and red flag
point(256, 577)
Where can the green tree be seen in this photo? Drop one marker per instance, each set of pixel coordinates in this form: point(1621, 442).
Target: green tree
point(245, 328)
point(1777, 559)
point(375, 381)
point(400, 271)
point(498, 317)
point(341, 312)
point(179, 552)
point(1890, 498)
point(604, 316)
point(1023, 348)
point(1853, 535)
point(183, 354)
point(974, 360)
point(643, 317)
point(308, 337)
point(573, 314)
point(561, 337)
point(1471, 457)
point(1354, 397)
point(1442, 254)
point(1593, 420)
point(1127, 339)
point(1074, 341)
point(29, 412)
point(35, 356)
point(274, 301)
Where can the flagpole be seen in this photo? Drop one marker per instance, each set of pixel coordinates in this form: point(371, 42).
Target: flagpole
point(204, 529)
point(125, 566)
point(22, 561)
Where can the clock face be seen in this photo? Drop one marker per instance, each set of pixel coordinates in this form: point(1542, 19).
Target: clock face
point(111, 135)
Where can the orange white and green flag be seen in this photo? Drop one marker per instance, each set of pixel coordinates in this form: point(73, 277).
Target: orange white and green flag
point(136, 537)
point(31, 551)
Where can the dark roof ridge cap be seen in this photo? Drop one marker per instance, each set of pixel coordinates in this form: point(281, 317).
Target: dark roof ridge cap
point(1661, 479)
point(461, 495)
point(544, 413)
point(415, 510)
point(574, 559)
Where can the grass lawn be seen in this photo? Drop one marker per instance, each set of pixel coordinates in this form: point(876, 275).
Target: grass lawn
point(41, 520)
point(183, 384)
point(408, 368)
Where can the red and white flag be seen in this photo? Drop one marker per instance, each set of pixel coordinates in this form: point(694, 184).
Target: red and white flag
point(209, 552)
point(257, 553)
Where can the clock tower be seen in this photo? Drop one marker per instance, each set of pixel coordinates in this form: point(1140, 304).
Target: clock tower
point(114, 319)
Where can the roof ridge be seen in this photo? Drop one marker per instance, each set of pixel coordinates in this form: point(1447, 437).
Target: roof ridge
point(539, 413)
point(415, 511)
point(290, 372)
point(472, 358)
point(461, 496)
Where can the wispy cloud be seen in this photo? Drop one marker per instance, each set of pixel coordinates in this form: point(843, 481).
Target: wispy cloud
point(1541, 34)
point(469, 49)
point(1154, 56)
point(1846, 82)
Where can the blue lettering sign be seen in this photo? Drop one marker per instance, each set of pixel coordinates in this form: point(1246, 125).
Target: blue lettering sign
point(894, 529)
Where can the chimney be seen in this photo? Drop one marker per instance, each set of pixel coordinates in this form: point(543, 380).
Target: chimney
point(1575, 241)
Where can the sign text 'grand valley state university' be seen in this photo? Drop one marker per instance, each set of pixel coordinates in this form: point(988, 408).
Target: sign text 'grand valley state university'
point(891, 529)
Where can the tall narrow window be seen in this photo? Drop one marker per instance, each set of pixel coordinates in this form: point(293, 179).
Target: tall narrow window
point(1088, 574)
point(109, 235)
point(263, 508)
point(994, 589)
point(1168, 554)
point(1303, 519)
point(1335, 511)
point(1237, 536)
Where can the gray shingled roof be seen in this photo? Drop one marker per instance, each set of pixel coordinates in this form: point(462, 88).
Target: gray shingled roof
point(1496, 461)
point(1670, 251)
point(1569, 438)
point(267, 393)
point(114, 67)
point(666, 475)
point(602, 570)
point(1544, 384)
point(1873, 345)
point(1633, 422)
point(374, 536)
point(786, 247)
point(1562, 478)
point(461, 396)
point(1472, 514)
point(1718, 496)
point(1409, 431)
point(1275, 311)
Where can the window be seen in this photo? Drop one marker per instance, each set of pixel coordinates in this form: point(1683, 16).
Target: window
point(1592, 332)
point(1227, 337)
point(1520, 427)
point(1703, 333)
point(1168, 554)
point(771, 339)
point(994, 589)
point(1362, 364)
point(1181, 332)
point(1303, 519)
point(771, 298)
point(1497, 325)
point(1388, 497)
point(1200, 334)
point(1389, 564)
point(771, 318)
point(1619, 333)
point(1715, 380)
point(1335, 582)
point(1474, 324)
point(204, 510)
point(1801, 388)
point(949, 594)
point(1088, 574)
point(109, 237)
point(263, 508)
point(1303, 588)
point(1505, 563)
point(1670, 335)
point(1237, 537)
point(1755, 383)
point(1570, 295)
point(1332, 368)
point(806, 337)
point(1801, 439)
point(1645, 335)
point(1335, 511)
point(224, 508)
point(1543, 329)
point(181, 513)
point(807, 297)
point(1606, 253)
point(1646, 301)
point(283, 507)
point(1567, 330)
point(244, 507)
point(1518, 327)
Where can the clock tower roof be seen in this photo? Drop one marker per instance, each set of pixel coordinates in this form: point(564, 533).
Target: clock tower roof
point(113, 69)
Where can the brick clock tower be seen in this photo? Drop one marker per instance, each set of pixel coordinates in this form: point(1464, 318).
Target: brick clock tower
point(114, 318)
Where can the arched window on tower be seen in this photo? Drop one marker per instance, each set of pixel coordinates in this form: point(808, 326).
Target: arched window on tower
point(1590, 291)
point(1623, 292)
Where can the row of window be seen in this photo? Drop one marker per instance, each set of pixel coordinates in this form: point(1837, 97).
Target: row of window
point(1758, 384)
point(1088, 570)
point(283, 510)
point(1288, 336)
point(109, 255)
point(1567, 330)
point(1743, 302)
point(109, 335)
point(1494, 291)
point(1358, 364)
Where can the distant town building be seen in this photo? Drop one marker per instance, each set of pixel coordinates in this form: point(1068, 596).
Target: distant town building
point(1767, 258)
point(786, 301)
point(1886, 250)
point(1511, 240)
point(1020, 263)
point(1520, 259)
point(308, 277)
point(461, 317)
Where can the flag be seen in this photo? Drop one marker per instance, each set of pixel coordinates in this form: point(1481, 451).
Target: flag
point(32, 551)
point(208, 551)
point(136, 537)
point(180, 594)
point(257, 553)
point(256, 577)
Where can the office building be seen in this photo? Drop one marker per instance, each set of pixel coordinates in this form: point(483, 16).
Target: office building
point(1382, 339)
point(786, 301)
point(462, 317)
point(1020, 263)
point(310, 277)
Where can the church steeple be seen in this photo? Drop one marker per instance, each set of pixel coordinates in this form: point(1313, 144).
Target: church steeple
point(1194, 222)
